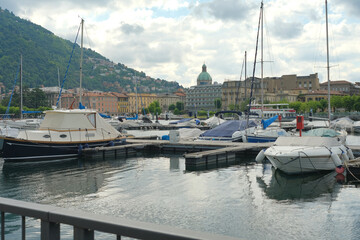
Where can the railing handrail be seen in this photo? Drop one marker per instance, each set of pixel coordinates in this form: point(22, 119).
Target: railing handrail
point(94, 222)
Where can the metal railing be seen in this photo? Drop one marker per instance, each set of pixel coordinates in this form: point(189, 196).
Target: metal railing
point(84, 224)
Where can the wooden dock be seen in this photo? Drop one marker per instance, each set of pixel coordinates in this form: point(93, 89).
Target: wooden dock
point(197, 153)
point(125, 150)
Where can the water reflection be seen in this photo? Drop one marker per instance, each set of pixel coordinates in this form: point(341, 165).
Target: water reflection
point(174, 163)
point(239, 159)
point(296, 187)
point(78, 177)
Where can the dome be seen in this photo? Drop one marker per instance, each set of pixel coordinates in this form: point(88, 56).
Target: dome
point(204, 77)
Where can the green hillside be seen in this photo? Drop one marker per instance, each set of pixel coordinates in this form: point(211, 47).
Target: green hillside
point(43, 53)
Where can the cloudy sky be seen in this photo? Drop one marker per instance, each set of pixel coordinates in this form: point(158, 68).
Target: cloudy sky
point(171, 39)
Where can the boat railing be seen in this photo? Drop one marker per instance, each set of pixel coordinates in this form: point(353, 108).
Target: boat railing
point(86, 224)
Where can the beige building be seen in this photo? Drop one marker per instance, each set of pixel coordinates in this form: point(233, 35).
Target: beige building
point(122, 102)
point(233, 93)
point(165, 100)
point(103, 102)
point(320, 94)
point(276, 89)
point(289, 82)
point(142, 100)
point(343, 86)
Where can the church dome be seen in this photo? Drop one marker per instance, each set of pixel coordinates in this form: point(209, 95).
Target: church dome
point(204, 77)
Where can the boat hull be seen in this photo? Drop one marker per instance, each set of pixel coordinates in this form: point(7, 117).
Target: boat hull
point(17, 150)
point(256, 139)
point(295, 160)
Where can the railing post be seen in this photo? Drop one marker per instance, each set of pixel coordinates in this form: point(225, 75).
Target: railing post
point(23, 226)
point(2, 226)
point(83, 234)
point(50, 230)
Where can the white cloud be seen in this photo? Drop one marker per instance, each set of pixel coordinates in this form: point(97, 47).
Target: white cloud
point(171, 39)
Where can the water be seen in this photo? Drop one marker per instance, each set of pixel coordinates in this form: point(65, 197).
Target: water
point(245, 200)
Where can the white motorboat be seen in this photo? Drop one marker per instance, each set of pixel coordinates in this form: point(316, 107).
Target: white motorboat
point(344, 123)
point(294, 155)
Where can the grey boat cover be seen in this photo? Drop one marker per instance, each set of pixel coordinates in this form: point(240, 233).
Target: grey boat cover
point(321, 132)
point(227, 128)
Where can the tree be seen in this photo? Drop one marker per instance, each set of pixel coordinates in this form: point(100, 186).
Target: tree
point(295, 105)
point(180, 106)
point(243, 105)
point(217, 103)
point(336, 102)
point(35, 99)
point(314, 105)
point(304, 107)
point(357, 106)
point(348, 103)
point(323, 104)
point(154, 107)
point(172, 107)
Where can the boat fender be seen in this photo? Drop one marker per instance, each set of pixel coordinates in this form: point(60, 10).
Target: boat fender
point(244, 139)
point(261, 156)
point(344, 156)
point(350, 154)
point(86, 145)
point(340, 169)
point(336, 159)
point(111, 143)
point(80, 148)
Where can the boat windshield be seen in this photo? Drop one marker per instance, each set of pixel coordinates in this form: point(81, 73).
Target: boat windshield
point(92, 118)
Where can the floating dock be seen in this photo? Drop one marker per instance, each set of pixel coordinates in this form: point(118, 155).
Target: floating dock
point(197, 154)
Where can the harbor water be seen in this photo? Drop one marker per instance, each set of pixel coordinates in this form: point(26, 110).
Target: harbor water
point(244, 199)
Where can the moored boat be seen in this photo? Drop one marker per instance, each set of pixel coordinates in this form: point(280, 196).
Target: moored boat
point(294, 155)
point(62, 134)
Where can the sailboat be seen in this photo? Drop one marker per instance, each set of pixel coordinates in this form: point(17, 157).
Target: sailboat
point(260, 133)
point(302, 154)
point(63, 134)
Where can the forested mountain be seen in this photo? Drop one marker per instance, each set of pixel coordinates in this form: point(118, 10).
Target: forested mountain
point(43, 53)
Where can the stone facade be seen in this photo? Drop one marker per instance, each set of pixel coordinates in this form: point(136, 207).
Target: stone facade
point(202, 97)
point(341, 86)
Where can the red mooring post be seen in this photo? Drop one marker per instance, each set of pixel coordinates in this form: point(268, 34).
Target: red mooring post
point(300, 123)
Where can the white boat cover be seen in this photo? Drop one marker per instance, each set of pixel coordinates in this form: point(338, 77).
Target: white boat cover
point(311, 141)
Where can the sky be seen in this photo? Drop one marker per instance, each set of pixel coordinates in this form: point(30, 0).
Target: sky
point(172, 39)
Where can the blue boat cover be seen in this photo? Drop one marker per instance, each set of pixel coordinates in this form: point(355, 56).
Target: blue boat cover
point(104, 115)
point(226, 129)
point(31, 111)
point(81, 106)
point(267, 122)
point(132, 118)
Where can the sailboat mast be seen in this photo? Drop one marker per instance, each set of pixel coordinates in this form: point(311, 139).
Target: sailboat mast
point(59, 86)
point(136, 96)
point(81, 58)
point(328, 62)
point(262, 60)
point(245, 74)
point(21, 90)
